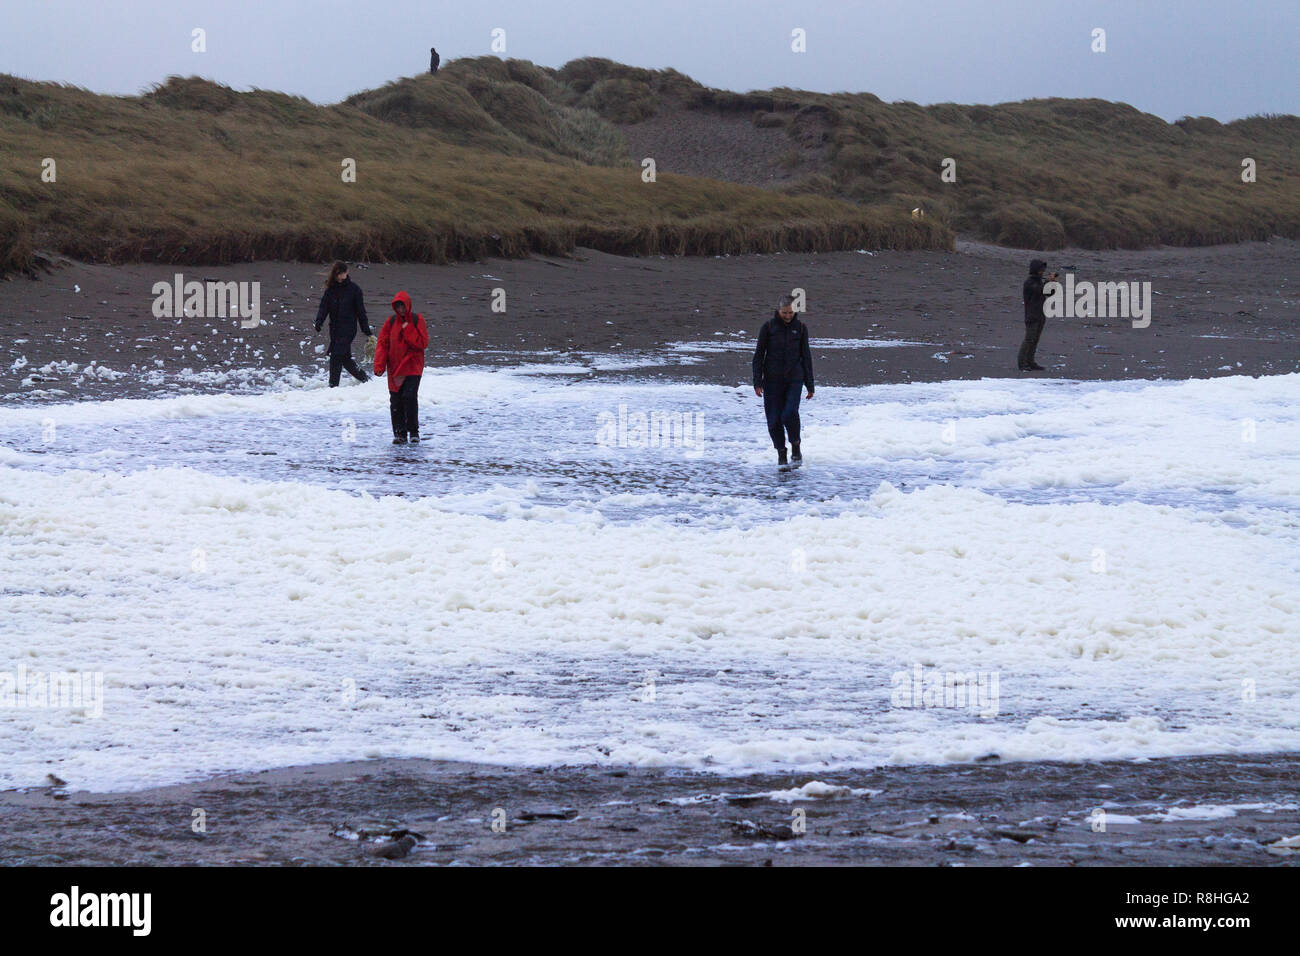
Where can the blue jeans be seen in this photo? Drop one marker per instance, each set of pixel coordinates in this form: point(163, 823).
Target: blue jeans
point(781, 403)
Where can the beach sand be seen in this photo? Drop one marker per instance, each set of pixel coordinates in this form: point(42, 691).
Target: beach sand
point(1220, 810)
point(1216, 311)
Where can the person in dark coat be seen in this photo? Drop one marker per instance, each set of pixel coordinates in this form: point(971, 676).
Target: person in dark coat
point(434, 60)
point(1034, 296)
point(782, 368)
point(345, 307)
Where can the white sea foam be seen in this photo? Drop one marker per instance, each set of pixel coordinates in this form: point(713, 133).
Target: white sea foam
point(241, 624)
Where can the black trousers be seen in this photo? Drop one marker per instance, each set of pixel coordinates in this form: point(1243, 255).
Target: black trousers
point(781, 405)
point(344, 360)
point(405, 407)
point(1033, 329)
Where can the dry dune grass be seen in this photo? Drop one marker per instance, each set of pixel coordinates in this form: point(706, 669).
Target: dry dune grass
point(193, 172)
point(1048, 173)
point(1035, 174)
point(503, 157)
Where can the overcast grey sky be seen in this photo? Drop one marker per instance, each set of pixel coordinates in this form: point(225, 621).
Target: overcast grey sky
point(1221, 58)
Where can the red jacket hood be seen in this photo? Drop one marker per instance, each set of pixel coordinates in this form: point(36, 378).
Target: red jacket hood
point(399, 350)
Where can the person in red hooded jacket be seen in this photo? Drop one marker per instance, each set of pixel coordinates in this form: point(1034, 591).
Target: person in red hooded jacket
point(400, 352)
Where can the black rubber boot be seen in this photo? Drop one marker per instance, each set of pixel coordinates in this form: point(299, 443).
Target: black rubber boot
point(781, 460)
point(415, 439)
point(796, 459)
point(399, 439)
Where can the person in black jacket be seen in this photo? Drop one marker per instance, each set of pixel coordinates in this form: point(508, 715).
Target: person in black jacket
point(1034, 318)
point(782, 367)
point(345, 307)
point(434, 60)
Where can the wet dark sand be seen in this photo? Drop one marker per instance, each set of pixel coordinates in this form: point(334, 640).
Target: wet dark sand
point(1220, 310)
point(987, 814)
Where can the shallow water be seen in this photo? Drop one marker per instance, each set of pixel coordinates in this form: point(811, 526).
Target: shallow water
point(546, 450)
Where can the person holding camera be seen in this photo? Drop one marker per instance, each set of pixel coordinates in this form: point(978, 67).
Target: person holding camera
point(1034, 296)
point(345, 307)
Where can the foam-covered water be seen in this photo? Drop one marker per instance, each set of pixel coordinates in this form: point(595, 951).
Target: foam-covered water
point(263, 579)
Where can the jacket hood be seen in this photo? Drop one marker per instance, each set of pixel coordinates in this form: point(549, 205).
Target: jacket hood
point(405, 299)
point(1036, 266)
